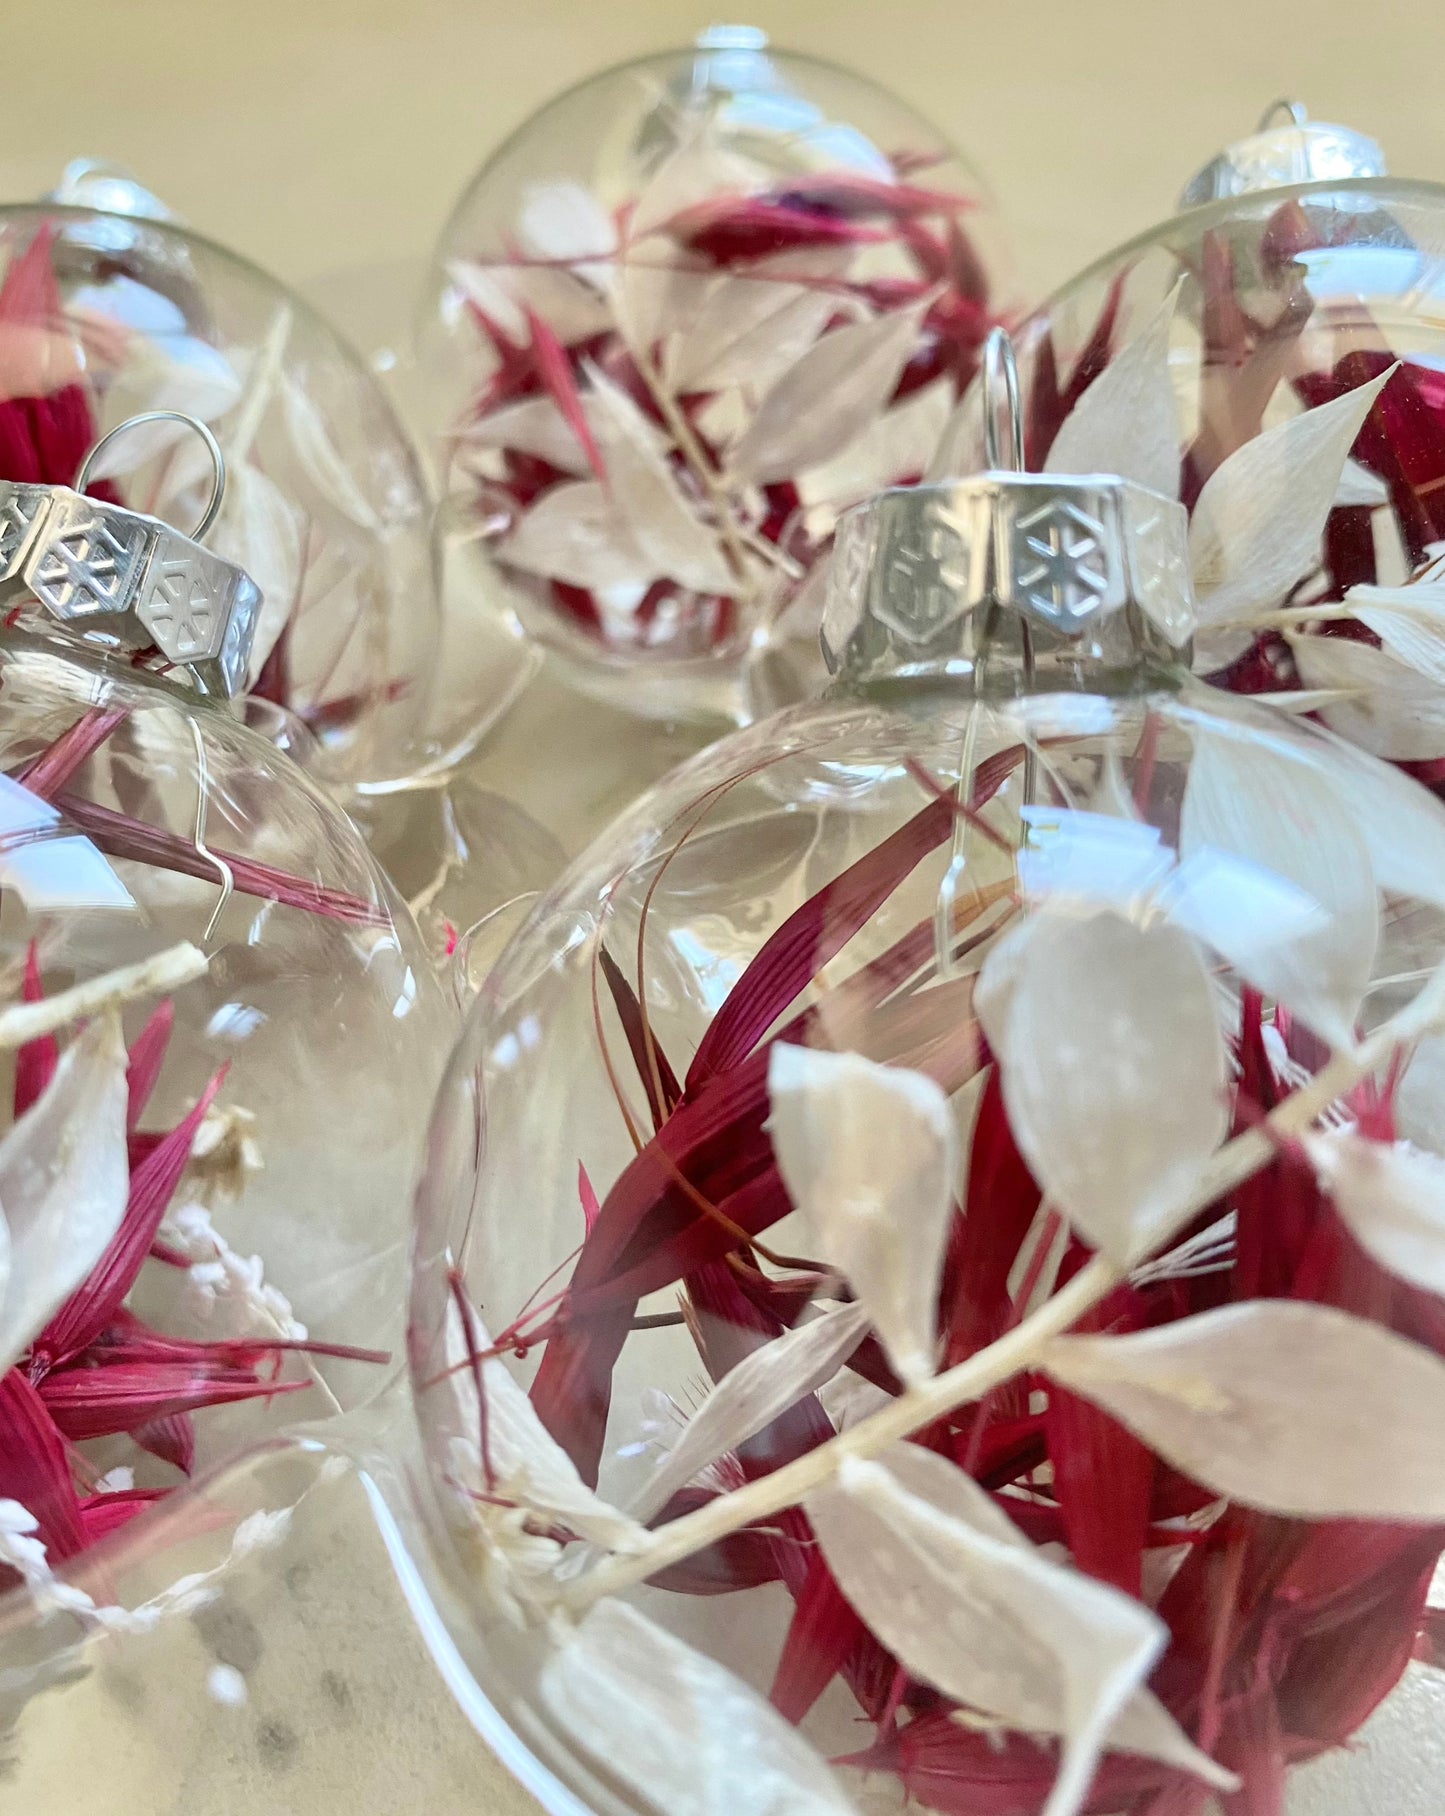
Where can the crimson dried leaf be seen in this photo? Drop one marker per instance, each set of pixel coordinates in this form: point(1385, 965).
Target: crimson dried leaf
point(46, 774)
point(1001, 1203)
point(1104, 1479)
point(103, 1515)
point(35, 1466)
point(823, 1631)
point(555, 372)
point(172, 1438)
point(124, 1396)
point(147, 1056)
point(745, 1559)
point(152, 1184)
point(43, 439)
point(36, 1061)
point(976, 1771)
point(817, 931)
point(118, 835)
point(658, 1079)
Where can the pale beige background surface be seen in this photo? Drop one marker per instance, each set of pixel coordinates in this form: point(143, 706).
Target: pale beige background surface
point(313, 133)
point(318, 136)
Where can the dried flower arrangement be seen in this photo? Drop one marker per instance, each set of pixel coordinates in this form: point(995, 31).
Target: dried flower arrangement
point(99, 1209)
point(1077, 1172)
point(1025, 1431)
point(90, 1197)
point(685, 390)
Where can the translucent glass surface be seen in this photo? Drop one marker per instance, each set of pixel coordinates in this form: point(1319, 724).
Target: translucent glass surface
point(604, 1192)
point(302, 1035)
point(1286, 300)
point(652, 263)
point(103, 316)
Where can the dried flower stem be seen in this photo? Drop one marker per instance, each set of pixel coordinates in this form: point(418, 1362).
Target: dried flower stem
point(691, 449)
point(1328, 610)
point(166, 971)
point(1016, 1349)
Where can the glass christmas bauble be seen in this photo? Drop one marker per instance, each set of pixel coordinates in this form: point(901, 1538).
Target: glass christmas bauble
point(468, 861)
point(104, 315)
point(691, 309)
point(1274, 356)
point(1021, 985)
point(221, 1035)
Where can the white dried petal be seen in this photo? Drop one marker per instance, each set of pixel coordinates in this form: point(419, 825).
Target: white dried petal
point(1290, 1407)
point(665, 526)
point(1401, 823)
point(576, 533)
point(938, 1573)
point(571, 307)
point(751, 1395)
point(532, 425)
point(529, 1466)
point(180, 373)
point(565, 222)
point(750, 327)
point(1360, 486)
point(1392, 1197)
point(1408, 620)
point(698, 170)
point(1250, 799)
point(486, 288)
point(657, 296)
point(322, 463)
point(1113, 1070)
point(833, 393)
point(1411, 631)
point(870, 1159)
point(895, 450)
point(1257, 525)
point(1101, 856)
point(1392, 709)
point(64, 1181)
point(1125, 422)
point(679, 1730)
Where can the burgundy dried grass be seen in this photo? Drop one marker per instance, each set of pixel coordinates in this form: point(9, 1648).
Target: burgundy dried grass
point(96, 1370)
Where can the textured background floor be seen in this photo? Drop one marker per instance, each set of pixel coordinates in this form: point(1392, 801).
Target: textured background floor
point(328, 137)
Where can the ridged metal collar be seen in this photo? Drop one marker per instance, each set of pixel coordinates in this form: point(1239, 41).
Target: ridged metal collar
point(1298, 151)
point(1081, 573)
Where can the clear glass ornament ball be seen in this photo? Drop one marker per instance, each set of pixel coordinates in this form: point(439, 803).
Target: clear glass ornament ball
point(1286, 298)
point(652, 263)
point(138, 819)
point(103, 316)
point(617, 1057)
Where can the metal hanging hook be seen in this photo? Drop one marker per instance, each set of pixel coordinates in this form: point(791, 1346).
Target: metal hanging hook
point(1297, 111)
point(213, 447)
point(1003, 411)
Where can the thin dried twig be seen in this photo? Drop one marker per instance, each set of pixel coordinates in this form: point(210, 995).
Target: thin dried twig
point(166, 971)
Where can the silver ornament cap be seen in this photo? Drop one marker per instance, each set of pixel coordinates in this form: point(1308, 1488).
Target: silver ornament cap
point(1092, 571)
point(1286, 148)
point(1022, 581)
point(123, 580)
